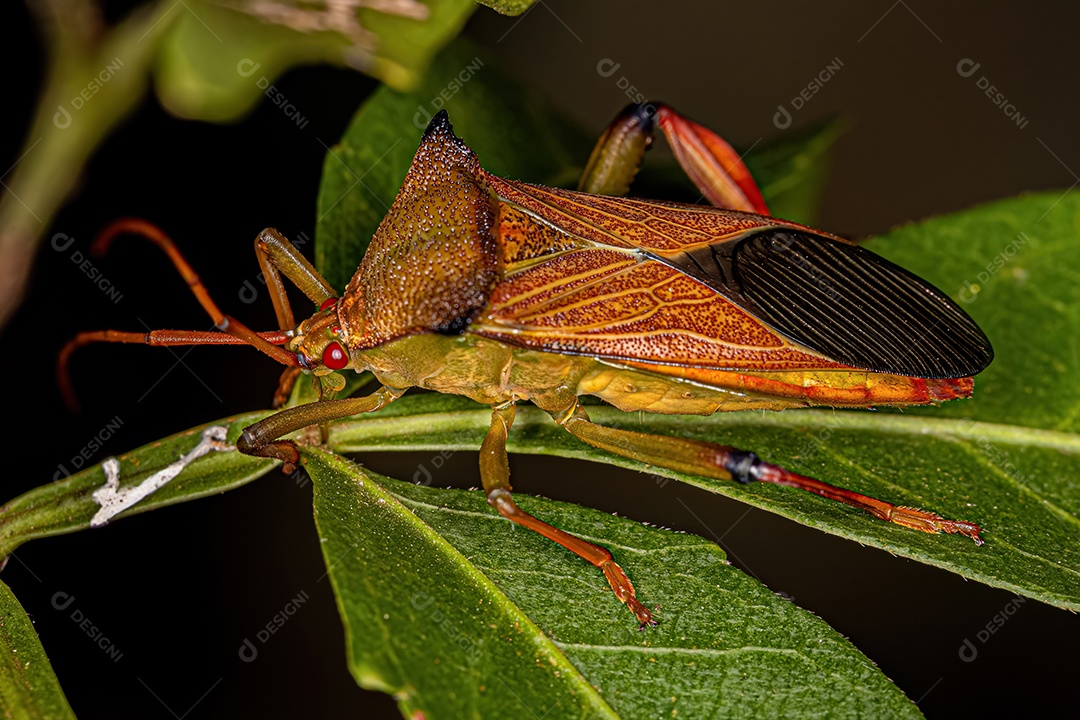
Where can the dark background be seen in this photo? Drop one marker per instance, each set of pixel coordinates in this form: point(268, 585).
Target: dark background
point(177, 591)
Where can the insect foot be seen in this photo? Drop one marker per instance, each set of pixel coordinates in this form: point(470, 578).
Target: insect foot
point(929, 522)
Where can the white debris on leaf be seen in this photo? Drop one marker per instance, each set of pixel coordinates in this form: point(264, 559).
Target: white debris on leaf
point(113, 499)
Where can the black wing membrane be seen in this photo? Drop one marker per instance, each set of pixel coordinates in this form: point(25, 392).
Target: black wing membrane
point(842, 301)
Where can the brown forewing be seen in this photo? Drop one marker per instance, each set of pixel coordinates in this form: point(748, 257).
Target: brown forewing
point(699, 286)
point(562, 292)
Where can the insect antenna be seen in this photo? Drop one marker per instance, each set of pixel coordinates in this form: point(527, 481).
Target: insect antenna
point(230, 330)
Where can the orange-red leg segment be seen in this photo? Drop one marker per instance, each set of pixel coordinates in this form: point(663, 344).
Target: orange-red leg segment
point(710, 162)
point(726, 463)
point(495, 474)
point(276, 256)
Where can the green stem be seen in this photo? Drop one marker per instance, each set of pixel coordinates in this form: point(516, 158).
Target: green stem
point(94, 79)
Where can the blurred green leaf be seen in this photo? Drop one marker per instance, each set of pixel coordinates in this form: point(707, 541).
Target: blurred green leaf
point(93, 80)
point(219, 59)
point(29, 689)
point(508, 7)
point(792, 170)
point(459, 613)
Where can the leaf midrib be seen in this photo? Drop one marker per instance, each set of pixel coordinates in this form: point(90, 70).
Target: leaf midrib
point(791, 419)
point(371, 433)
point(537, 636)
point(647, 649)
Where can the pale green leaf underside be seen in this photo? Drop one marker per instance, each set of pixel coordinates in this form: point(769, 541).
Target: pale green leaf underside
point(461, 614)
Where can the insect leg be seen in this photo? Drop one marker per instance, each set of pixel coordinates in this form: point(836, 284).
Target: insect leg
point(726, 463)
point(277, 255)
point(618, 153)
point(713, 165)
point(495, 473)
point(262, 438)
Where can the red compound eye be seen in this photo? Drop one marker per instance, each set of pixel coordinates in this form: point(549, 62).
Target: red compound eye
point(328, 303)
point(335, 357)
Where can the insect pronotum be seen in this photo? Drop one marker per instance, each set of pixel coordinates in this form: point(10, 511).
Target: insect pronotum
point(506, 292)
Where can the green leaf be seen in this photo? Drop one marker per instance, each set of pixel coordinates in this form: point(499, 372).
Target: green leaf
point(1012, 265)
point(29, 689)
point(514, 133)
point(1004, 459)
point(792, 170)
point(218, 60)
point(508, 7)
point(1031, 532)
point(459, 613)
point(69, 505)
